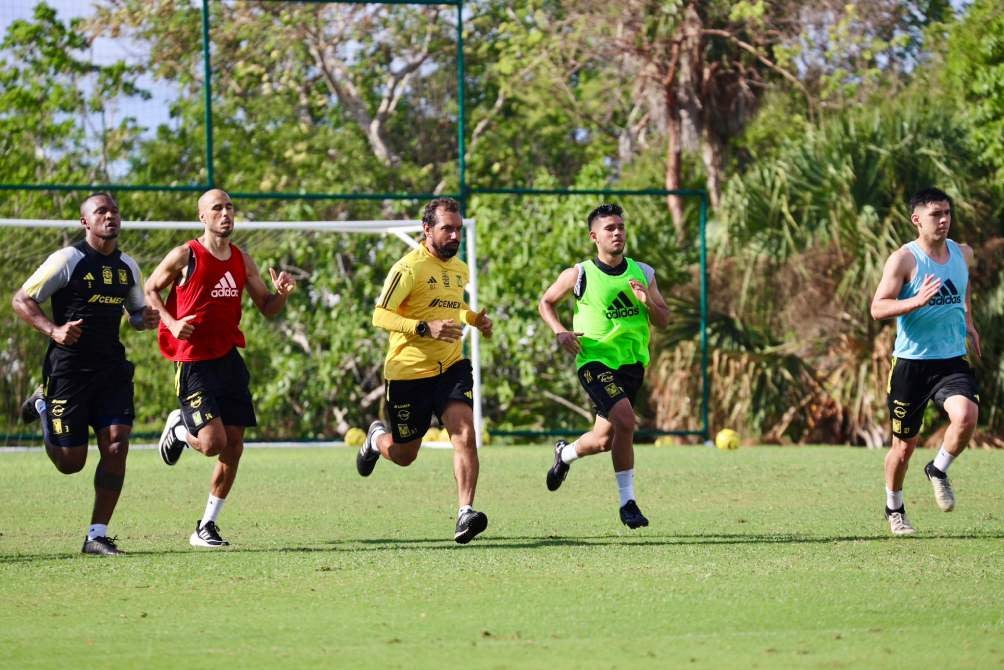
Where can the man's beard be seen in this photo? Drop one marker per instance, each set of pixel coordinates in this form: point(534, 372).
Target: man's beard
point(446, 251)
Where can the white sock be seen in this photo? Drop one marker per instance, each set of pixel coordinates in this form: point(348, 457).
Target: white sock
point(894, 499)
point(213, 508)
point(943, 460)
point(464, 510)
point(625, 485)
point(97, 530)
point(568, 453)
point(376, 436)
point(42, 410)
point(181, 433)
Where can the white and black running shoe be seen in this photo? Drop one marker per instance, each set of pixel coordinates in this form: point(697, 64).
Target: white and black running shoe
point(170, 446)
point(899, 524)
point(207, 535)
point(943, 493)
point(368, 455)
point(559, 470)
point(469, 525)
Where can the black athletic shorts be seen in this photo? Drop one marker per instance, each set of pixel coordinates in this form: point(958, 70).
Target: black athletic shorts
point(912, 383)
point(80, 400)
point(411, 402)
point(607, 387)
point(216, 388)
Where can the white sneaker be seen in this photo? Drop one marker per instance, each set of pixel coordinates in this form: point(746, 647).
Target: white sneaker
point(943, 493)
point(899, 524)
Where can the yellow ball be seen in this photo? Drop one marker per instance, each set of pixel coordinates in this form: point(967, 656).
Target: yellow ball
point(354, 437)
point(727, 439)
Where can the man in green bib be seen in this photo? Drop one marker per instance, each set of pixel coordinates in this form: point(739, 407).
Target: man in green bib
point(615, 299)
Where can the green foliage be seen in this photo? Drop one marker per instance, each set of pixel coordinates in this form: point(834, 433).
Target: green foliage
point(975, 70)
point(320, 97)
point(809, 229)
point(57, 120)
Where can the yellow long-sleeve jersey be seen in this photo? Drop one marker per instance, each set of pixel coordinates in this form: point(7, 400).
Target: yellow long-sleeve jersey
point(421, 287)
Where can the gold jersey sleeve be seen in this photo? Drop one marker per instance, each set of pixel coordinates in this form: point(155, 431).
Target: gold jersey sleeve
point(422, 287)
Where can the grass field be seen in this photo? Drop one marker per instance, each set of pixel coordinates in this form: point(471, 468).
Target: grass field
point(764, 557)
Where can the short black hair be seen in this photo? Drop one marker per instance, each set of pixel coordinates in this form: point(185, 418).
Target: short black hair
point(429, 215)
point(926, 196)
point(604, 210)
point(99, 194)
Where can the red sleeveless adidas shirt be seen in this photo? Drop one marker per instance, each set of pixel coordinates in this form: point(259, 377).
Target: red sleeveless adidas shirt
point(212, 292)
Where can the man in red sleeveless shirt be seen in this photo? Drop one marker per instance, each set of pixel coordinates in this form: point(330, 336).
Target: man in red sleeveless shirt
point(200, 332)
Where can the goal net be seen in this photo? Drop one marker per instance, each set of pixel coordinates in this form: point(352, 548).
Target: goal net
point(316, 369)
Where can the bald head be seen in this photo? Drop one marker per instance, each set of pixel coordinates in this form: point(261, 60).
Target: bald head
point(211, 196)
point(216, 211)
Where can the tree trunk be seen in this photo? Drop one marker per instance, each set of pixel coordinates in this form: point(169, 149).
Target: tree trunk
point(712, 151)
point(674, 151)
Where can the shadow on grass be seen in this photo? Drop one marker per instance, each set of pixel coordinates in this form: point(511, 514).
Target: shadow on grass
point(643, 539)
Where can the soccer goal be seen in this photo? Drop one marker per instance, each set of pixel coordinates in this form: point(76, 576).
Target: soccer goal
point(340, 266)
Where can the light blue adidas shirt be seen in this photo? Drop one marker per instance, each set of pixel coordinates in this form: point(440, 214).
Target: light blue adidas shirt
point(938, 329)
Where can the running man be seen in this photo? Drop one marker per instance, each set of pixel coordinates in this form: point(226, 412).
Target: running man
point(87, 380)
point(422, 306)
point(925, 285)
point(200, 332)
point(616, 298)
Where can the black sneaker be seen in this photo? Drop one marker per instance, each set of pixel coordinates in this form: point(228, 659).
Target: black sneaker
point(631, 516)
point(101, 546)
point(207, 536)
point(28, 411)
point(170, 446)
point(469, 525)
point(559, 470)
point(367, 458)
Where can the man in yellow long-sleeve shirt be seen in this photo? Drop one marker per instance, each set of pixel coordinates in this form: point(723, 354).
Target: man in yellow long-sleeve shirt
point(422, 306)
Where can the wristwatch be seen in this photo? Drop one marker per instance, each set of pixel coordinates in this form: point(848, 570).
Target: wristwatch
point(422, 329)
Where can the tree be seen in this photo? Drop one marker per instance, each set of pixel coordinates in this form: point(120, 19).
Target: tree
point(58, 120)
point(974, 55)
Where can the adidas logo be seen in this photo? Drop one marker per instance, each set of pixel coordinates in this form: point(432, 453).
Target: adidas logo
point(621, 307)
point(226, 287)
point(947, 295)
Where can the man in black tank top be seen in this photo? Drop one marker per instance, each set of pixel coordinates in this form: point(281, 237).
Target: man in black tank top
point(87, 381)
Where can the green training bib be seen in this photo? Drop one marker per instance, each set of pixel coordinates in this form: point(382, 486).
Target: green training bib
point(614, 323)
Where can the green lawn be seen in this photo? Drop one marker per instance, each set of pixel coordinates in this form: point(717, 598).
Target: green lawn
point(764, 557)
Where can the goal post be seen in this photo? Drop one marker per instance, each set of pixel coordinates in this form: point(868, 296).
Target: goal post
point(18, 259)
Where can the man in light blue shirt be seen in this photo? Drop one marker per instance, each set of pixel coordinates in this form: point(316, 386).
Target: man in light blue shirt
point(925, 286)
